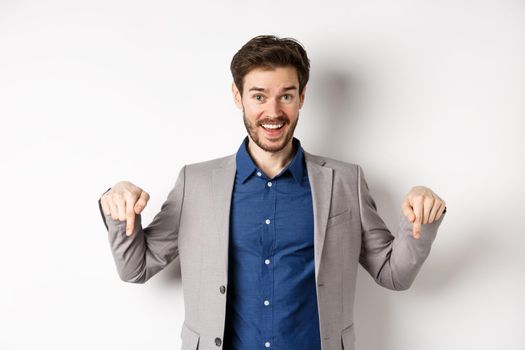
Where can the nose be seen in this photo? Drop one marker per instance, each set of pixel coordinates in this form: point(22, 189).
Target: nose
point(273, 108)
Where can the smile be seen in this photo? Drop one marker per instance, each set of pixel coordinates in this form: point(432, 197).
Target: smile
point(272, 126)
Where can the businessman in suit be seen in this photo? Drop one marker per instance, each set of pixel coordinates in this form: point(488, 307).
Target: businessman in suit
point(270, 237)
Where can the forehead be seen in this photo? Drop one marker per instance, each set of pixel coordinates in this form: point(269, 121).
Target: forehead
point(271, 78)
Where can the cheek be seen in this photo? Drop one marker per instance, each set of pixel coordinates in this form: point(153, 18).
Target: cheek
point(291, 110)
point(251, 116)
point(247, 104)
point(253, 112)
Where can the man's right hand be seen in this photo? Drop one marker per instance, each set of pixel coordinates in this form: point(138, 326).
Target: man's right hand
point(123, 201)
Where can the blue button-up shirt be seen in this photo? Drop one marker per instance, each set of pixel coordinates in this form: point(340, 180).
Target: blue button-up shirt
point(271, 300)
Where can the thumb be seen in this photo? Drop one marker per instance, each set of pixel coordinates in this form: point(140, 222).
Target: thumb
point(407, 210)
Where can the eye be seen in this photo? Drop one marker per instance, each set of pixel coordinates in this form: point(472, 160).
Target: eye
point(258, 97)
point(287, 97)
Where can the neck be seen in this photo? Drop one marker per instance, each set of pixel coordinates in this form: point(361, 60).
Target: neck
point(271, 163)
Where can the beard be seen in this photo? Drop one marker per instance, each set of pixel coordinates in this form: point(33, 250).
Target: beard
point(273, 147)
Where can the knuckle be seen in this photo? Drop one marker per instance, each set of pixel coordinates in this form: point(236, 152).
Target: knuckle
point(128, 194)
point(136, 191)
point(429, 199)
point(116, 197)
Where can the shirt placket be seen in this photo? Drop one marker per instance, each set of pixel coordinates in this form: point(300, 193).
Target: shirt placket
point(267, 263)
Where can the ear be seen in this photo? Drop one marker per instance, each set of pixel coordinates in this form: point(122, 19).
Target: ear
point(237, 98)
point(301, 98)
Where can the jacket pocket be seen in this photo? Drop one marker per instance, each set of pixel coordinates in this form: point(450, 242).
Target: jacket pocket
point(339, 218)
point(348, 338)
point(190, 338)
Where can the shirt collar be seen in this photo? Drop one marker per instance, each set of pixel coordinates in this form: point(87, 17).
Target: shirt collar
point(246, 166)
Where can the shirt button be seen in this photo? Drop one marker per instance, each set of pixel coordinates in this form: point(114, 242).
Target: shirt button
point(267, 261)
point(267, 344)
point(259, 173)
point(267, 221)
point(222, 289)
point(266, 303)
point(218, 341)
point(269, 184)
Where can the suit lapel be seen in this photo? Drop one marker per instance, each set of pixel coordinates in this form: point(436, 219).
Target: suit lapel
point(223, 179)
point(320, 179)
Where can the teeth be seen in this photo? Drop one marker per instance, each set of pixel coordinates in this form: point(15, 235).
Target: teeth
point(272, 126)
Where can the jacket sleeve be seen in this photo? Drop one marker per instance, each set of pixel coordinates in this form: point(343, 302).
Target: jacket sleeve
point(147, 251)
point(393, 261)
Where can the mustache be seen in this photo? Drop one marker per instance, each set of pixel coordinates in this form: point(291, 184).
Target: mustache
point(276, 120)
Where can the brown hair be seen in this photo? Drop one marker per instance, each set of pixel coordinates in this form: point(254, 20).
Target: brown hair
point(269, 51)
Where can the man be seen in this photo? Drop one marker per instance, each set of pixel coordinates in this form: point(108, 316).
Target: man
point(269, 238)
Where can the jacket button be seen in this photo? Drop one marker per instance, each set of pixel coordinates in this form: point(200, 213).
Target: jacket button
point(218, 341)
point(222, 289)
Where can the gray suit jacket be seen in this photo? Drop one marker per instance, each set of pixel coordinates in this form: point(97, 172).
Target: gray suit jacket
point(193, 224)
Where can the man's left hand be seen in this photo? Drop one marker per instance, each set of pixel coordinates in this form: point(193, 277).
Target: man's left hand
point(422, 206)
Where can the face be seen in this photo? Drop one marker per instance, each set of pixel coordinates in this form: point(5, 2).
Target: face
point(270, 103)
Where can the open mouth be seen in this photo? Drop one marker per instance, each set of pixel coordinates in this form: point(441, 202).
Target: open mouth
point(272, 127)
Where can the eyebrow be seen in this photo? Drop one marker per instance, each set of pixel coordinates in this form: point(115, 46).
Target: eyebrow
point(287, 88)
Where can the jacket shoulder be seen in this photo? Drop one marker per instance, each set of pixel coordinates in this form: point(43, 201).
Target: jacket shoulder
point(208, 165)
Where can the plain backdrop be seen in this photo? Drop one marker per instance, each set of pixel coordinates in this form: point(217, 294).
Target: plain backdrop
point(416, 92)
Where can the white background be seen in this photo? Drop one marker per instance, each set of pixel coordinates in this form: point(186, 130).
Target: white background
point(419, 93)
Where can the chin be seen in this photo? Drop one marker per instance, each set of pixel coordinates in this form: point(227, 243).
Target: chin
point(274, 145)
